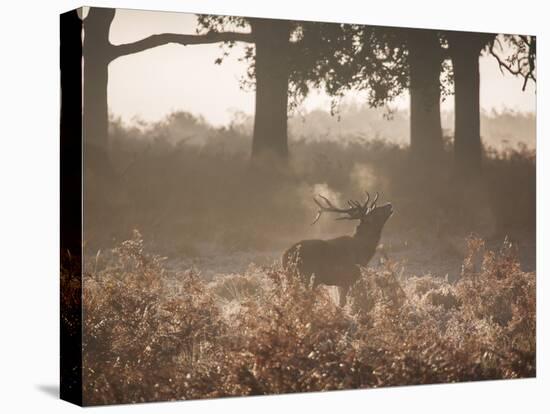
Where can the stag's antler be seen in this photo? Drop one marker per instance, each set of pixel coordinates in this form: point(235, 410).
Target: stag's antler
point(355, 211)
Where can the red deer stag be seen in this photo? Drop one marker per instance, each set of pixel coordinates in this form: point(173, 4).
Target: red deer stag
point(336, 262)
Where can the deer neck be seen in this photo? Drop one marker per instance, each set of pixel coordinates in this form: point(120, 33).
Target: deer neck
point(366, 242)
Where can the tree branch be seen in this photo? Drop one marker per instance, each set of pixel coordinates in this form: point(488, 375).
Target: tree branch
point(502, 64)
point(522, 62)
point(182, 39)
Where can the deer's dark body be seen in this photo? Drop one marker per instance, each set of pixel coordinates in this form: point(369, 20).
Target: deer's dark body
point(336, 262)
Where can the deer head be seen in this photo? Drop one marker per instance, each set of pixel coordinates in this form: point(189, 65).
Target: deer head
point(371, 217)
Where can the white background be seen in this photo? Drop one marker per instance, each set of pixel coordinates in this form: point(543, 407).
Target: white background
point(29, 204)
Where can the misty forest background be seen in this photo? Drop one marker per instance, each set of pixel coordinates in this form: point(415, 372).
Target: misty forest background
point(179, 206)
point(192, 189)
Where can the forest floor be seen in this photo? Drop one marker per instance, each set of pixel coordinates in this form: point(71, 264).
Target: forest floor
point(415, 254)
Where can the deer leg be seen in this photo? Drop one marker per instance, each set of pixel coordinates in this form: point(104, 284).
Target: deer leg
point(342, 293)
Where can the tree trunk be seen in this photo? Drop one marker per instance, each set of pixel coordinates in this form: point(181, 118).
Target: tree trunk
point(272, 70)
point(425, 57)
point(465, 49)
point(467, 129)
point(97, 56)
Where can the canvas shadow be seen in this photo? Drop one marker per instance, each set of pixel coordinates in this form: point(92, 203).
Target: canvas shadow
point(51, 390)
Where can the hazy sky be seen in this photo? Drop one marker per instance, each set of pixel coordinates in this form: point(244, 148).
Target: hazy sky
point(150, 84)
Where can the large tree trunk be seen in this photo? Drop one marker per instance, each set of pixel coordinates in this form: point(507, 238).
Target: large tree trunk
point(425, 57)
point(465, 49)
point(272, 68)
point(97, 55)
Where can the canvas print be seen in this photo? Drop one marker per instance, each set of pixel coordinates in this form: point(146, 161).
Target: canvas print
point(253, 206)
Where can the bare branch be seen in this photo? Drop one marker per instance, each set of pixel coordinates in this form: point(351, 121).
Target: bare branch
point(182, 39)
point(525, 64)
point(502, 64)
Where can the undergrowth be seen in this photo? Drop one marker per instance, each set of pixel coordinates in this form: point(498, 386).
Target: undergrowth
point(153, 333)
